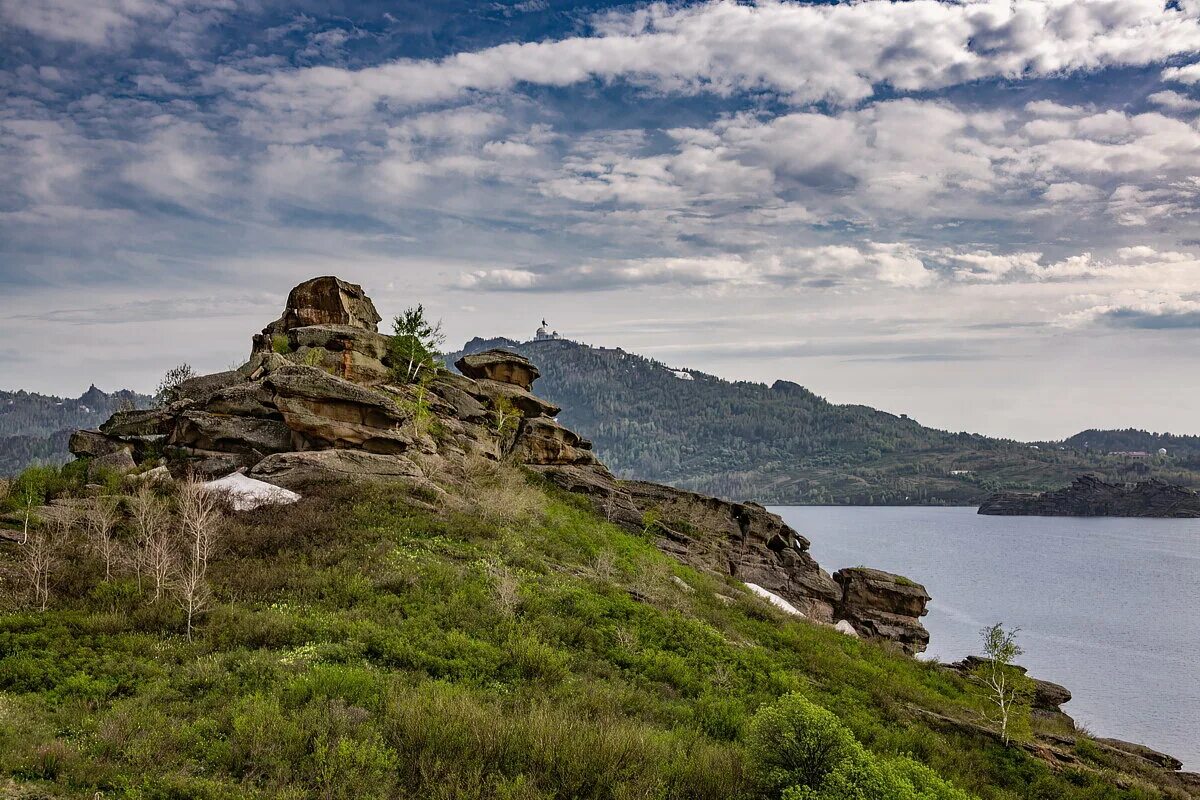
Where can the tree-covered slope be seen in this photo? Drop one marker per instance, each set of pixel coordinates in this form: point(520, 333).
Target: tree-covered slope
point(784, 444)
point(35, 428)
point(499, 642)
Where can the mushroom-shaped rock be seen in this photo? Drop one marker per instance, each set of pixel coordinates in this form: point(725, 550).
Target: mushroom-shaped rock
point(499, 365)
point(327, 301)
point(881, 605)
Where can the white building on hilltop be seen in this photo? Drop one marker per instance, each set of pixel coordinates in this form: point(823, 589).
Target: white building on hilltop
point(544, 333)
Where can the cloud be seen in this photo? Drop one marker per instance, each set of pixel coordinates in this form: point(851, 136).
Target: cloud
point(892, 264)
point(1174, 101)
point(113, 23)
point(1189, 74)
point(1141, 309)
point(802, 53)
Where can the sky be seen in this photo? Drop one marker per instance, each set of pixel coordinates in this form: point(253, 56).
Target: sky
point(983, 214)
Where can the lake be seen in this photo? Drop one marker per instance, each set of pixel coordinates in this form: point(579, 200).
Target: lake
point(1108, 607)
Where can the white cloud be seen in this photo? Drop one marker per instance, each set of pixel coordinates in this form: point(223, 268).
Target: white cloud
point(804, 53)
point(1174, 101)
point(113, 23)
point(891, 264)
point(1147, 309)
point(1189, 74)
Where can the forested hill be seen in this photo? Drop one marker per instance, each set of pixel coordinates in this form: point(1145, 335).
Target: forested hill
point(34, 428)
point(1134, 440)
point(784, 444)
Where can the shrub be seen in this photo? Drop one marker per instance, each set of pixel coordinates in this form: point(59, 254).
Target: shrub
point(804, 752)
point(171, 381)
point(280, 344)
point(796, 742)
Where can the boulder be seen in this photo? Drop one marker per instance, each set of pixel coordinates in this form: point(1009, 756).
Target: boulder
point(844, 626)
point(543, 441)
point(328, 301)
point(222, 433)
point(93, 444)
point(1047, 696)
point(340, 338)
point(499, 365)
point(295, 470)
point(159, 476)
point(252, 399)
point(119, 462)
point(1160, 760)
point(332, 412)
point(346, 364)
point(882, 605)
point(202, 388)
point(458, 397)
point(145, 422)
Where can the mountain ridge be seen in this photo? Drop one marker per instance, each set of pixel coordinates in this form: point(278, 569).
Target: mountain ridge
point(783, 443)
point(35, 428)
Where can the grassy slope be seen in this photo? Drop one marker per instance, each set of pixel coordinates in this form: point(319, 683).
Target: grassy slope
point(366, 645)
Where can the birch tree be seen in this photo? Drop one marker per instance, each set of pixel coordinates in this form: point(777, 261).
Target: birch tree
point(41, 554)
point(199, 516)
point(155, 553)
point(1008, 688)
point(101, 516)
point(414, 345)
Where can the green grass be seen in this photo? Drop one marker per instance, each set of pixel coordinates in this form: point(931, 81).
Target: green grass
point(366, 647)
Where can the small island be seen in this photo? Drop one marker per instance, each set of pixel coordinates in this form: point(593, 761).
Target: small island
point(1088, 496)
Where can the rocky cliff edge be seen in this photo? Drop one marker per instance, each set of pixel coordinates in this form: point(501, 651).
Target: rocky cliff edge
point(317, 401)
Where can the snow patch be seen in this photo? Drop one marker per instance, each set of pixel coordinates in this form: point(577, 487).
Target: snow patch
point(775, 600)
point(246, 493)
point(683, 375)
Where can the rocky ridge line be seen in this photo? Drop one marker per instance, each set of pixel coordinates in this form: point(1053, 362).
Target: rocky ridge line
point(1088, 496)
point(316, 402)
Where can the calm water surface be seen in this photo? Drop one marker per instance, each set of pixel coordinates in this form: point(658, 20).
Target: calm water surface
point(1110, 608)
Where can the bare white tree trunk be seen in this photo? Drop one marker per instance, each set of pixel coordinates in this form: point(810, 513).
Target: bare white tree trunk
point(102, 517)
point(42, 551)
point(199, 516)
point(155, 553)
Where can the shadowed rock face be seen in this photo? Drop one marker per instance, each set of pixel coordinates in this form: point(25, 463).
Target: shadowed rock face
point(881, 605)
point(325, 408)
point(1089, 496)
point(329, 301)
point(501, 366)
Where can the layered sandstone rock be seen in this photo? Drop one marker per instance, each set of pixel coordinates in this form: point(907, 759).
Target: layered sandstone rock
point(1088, 496)
point(316, 402)
point(499, 365)
point(881, 605)
point(1048, 698)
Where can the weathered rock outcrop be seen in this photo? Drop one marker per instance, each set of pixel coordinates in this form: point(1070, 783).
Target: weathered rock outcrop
point(881, 605)
point(1088, 496)
point(316, 402)
point(1048, 698)
point(499, 365)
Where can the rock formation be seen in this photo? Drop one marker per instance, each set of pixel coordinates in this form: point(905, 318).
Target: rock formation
point(317, 401)
point(1088, 496)
point(1048, 698)
point(883, 606)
